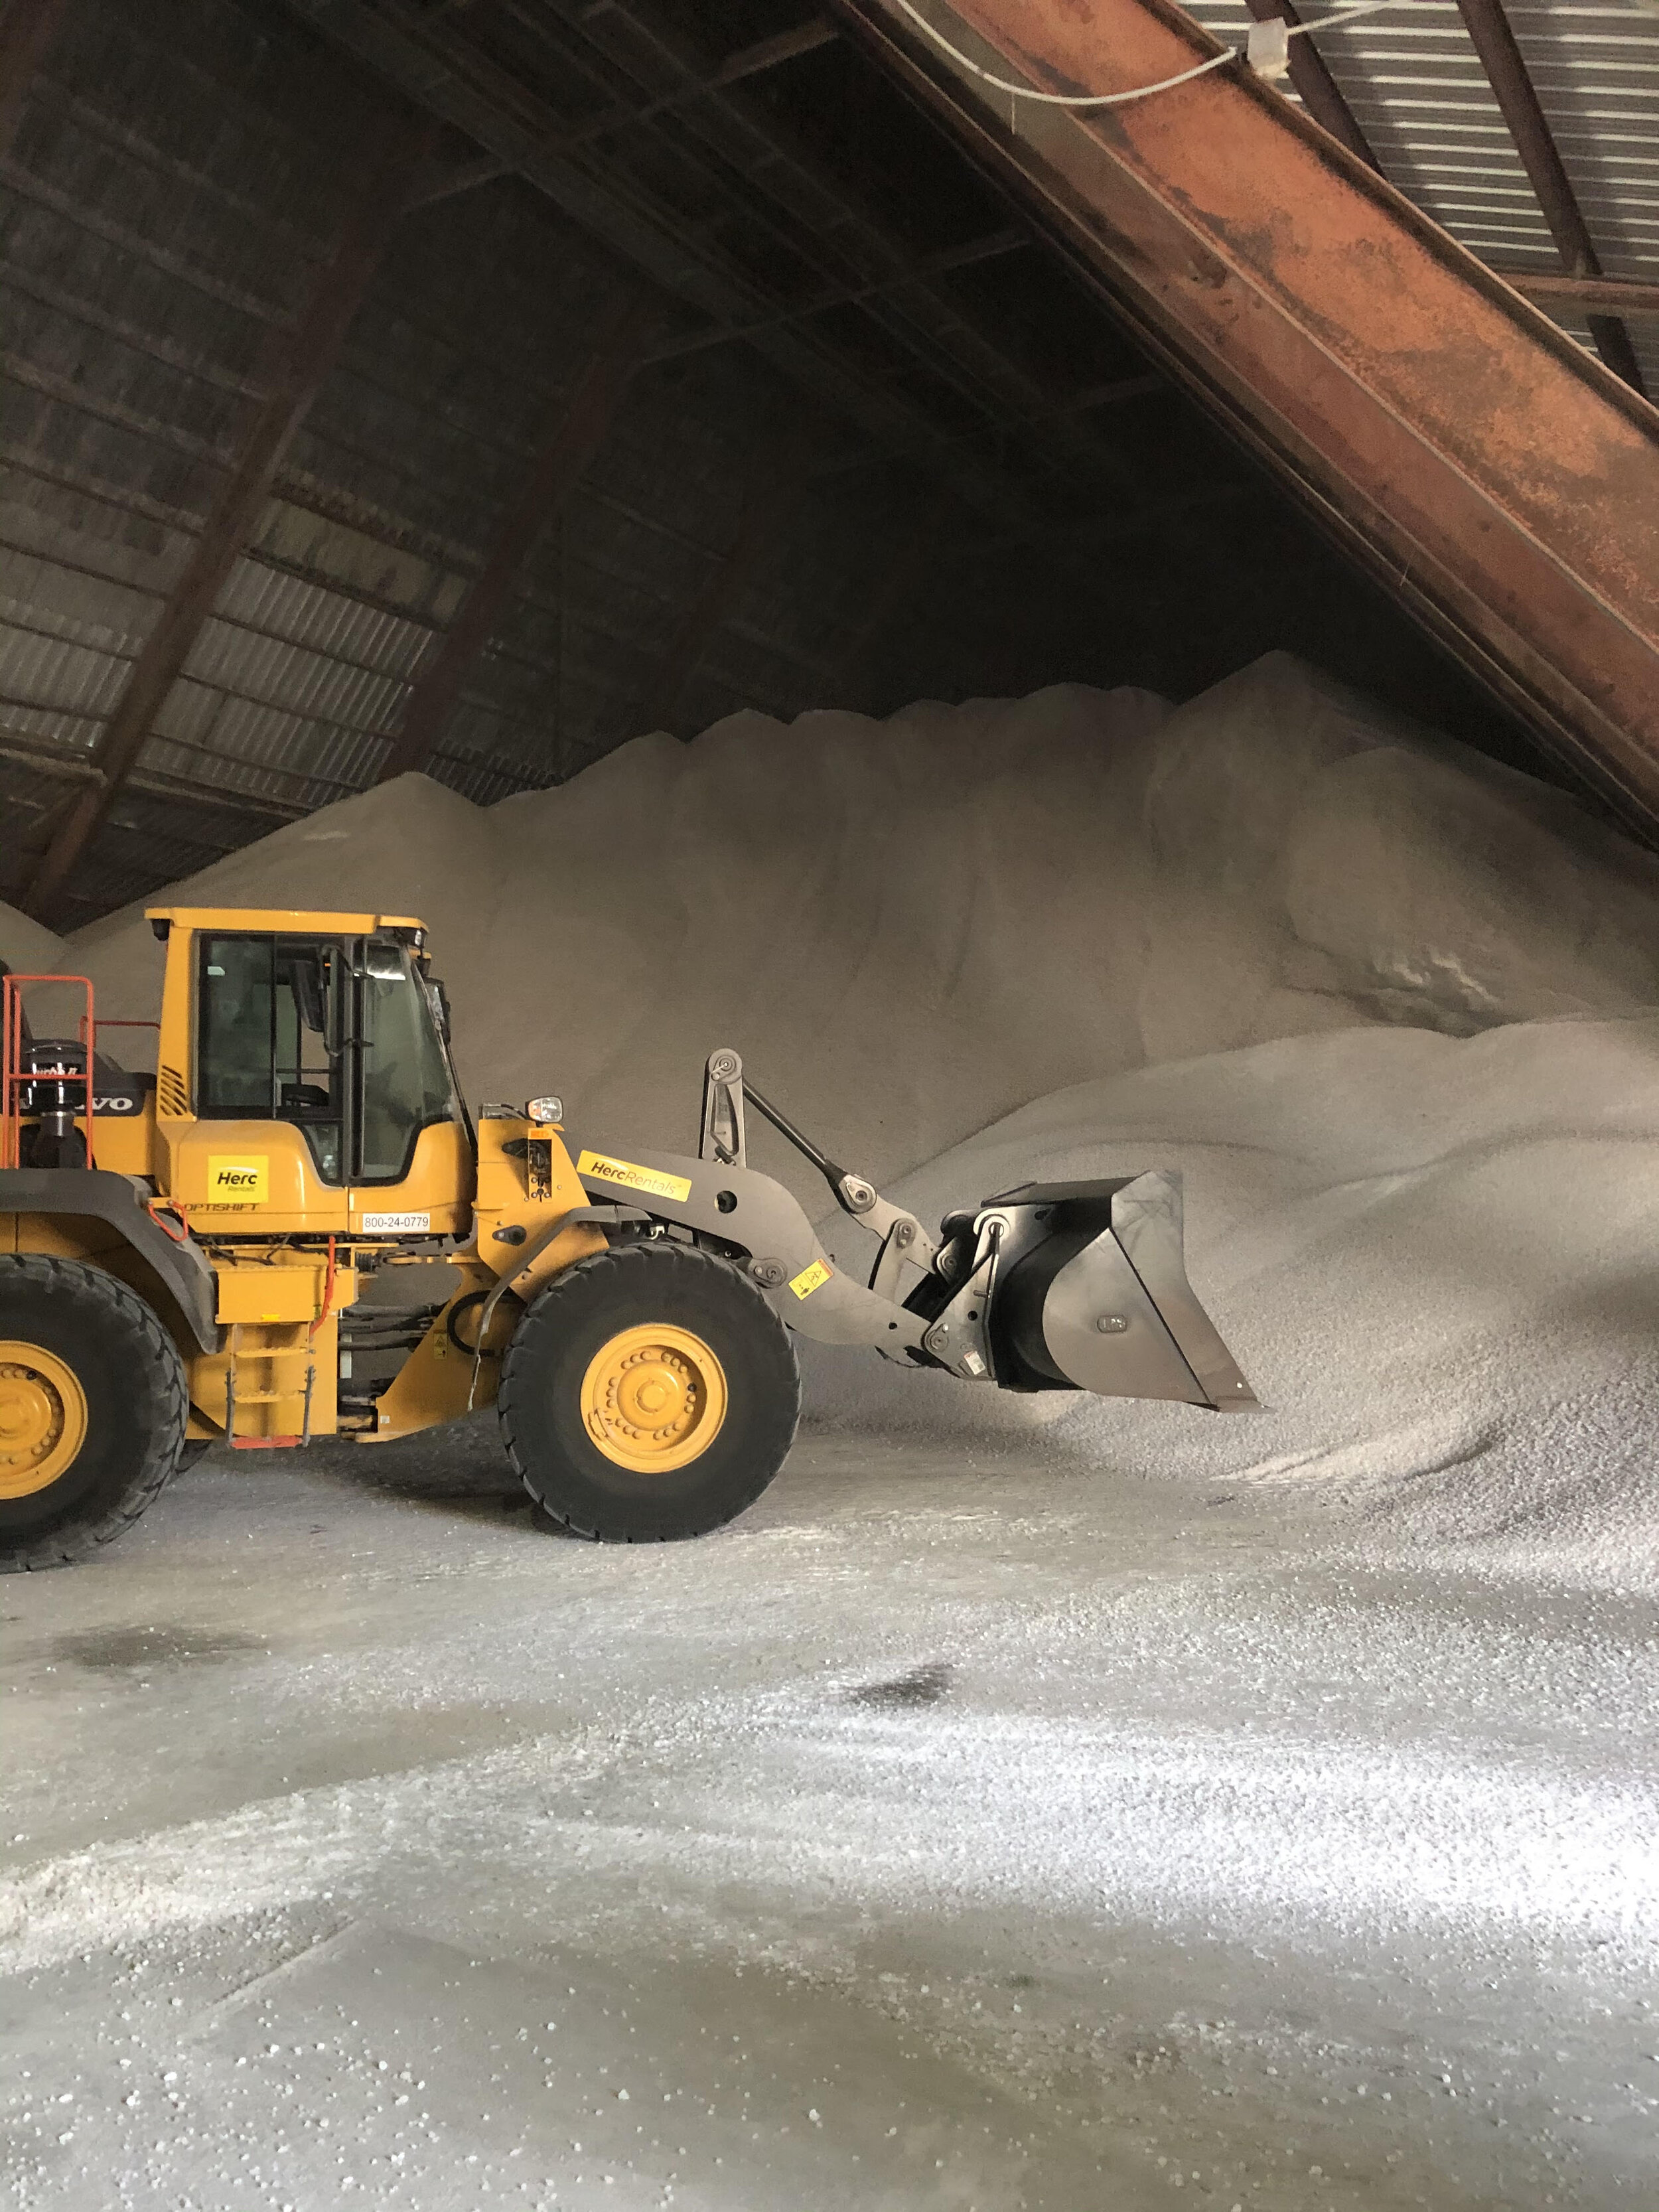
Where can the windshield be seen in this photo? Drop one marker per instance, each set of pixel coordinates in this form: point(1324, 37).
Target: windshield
point(278, 1042)
point(405, 1079)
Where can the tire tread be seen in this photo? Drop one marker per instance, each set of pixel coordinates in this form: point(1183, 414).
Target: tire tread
point(634, 1253)
point(165, 1371)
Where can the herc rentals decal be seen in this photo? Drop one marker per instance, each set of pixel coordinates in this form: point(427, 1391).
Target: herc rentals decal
point(647, 1181)
point(238, 1179)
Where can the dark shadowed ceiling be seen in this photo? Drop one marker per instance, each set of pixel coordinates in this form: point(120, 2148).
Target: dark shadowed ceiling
point(471, 384)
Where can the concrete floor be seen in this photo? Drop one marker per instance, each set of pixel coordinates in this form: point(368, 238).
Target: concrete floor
point(950, 1833)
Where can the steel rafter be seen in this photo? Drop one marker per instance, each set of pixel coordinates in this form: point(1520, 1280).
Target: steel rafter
point(480, 93)
point(299, 358)
point(1314, 85)
point(1623, 296)
point(577, 432)
point(751, 61)
point(1512, 88)
point(434, 67)
point(777, 486)
point(900, 282)
point(1496, 478)
point(26, 31)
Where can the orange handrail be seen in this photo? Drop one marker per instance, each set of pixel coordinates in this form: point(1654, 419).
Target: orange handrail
point(14, 1076)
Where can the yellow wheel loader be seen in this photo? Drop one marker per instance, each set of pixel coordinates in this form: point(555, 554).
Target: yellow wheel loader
point(295, 1229)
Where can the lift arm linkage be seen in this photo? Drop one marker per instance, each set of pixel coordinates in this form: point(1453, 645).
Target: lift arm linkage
point(902, 1238)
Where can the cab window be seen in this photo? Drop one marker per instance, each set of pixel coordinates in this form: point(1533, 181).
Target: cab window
point(405, 1075)
point(263, 1052)
point(340, 1038)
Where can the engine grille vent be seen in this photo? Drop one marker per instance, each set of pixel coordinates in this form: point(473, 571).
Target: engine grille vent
point(171, 1096)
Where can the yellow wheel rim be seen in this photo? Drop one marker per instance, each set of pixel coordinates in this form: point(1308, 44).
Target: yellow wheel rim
point(653, 1398)
point(43, 1418)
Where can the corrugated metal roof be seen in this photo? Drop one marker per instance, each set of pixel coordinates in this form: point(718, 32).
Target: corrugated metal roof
point(178, 181)
point(1417, 89)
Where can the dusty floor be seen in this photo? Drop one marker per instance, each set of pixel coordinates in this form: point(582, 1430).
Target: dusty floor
point(991, 1834)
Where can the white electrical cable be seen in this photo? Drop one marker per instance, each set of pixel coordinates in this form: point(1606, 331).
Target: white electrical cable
point(1140, 91)
point(1342, 16)
point(1059, 98)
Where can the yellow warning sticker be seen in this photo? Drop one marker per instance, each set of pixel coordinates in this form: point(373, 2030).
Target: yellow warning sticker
point(647, 1181)
point(810, 1280)
point(236, 1179)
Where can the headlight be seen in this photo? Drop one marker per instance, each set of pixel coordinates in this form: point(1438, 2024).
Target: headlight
point(545, 1110)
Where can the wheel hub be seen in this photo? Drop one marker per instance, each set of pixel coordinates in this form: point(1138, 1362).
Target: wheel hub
point(43, 1418)
point(653, 1398)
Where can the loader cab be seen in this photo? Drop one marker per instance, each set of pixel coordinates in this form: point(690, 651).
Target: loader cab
point(304, 1083)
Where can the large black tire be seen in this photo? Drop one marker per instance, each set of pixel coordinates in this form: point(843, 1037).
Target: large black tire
point(570, 1336)
point(131, 1419)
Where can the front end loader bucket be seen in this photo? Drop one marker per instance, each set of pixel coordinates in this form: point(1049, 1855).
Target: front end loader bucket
point(1090, 1293)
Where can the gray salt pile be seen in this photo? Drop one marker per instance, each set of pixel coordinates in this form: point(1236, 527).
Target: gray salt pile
point(1434, 1257)
point(910, 928)
point(26, 948)
point(1390, 1006)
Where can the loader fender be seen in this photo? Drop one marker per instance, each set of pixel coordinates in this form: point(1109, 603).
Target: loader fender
point(97, 1193)
point(769, 1225)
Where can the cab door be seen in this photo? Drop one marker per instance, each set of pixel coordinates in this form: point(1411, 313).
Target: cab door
point(412, 1158)
point(268, 1148)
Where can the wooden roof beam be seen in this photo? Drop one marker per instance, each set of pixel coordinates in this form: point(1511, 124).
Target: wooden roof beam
point(968, 352)
point(737, 68)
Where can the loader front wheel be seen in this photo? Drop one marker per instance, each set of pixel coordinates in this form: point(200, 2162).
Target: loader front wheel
point(92, 1409)
point(650, 1393)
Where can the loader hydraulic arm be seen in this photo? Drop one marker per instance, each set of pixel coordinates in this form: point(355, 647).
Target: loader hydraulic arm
point(1047, 1286)
point(902, 1238)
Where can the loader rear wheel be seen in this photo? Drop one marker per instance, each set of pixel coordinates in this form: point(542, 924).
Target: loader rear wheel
point(92, 1407)
point(650, 1393)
